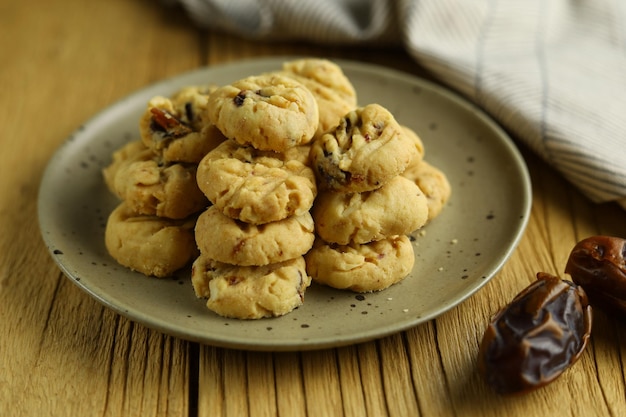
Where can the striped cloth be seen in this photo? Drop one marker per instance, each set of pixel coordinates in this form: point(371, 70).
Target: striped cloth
point(552, 72)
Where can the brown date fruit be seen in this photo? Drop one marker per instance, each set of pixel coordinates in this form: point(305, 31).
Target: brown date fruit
point(536, 337)
point(598, 264)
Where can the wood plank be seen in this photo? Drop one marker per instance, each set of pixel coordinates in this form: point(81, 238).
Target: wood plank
point(63, 353)
point(397, 380)
point(352, 396)
point(290, 394)
point(261, 384)
point(321, 383)
point(211, 394)
point(428, 379)
point(372, 380)
point(235, 382)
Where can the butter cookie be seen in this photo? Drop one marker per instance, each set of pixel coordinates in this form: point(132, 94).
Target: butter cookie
point(234, 242)
point(333, 91)
point(366, 150)
point(257, 186)
point(151, 245)
point(270, 112)
point(361, 268)
point(177, 131)
point(151, 187)
point(250, 292)
point(398, 207)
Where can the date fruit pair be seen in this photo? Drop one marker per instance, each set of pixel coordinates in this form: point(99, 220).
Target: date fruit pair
point(546, 327)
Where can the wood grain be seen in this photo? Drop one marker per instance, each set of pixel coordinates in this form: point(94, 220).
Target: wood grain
point(63, 353)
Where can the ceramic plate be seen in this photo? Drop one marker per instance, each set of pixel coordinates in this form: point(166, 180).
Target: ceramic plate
point(456, 254)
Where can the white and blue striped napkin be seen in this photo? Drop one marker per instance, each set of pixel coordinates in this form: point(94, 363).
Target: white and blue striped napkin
point(552, 72)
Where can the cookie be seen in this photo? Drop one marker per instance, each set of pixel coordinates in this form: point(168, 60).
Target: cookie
point(398, 207)
point(366, 150)
point(150, 187)
point(190, 105)
point(257, 186)
point(151, 245)
point(333, 91)
point(250, 292)
point(193, 148)
point(174, 131)
point(361, 268)
point(270, 112)
point(433, 182)
point(121, 157)
point(231, 241)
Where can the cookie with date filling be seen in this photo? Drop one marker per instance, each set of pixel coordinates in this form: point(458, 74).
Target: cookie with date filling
point(151, 187)
point(333, 91)
point(365, 151)
point(190, 105)
point(154, 246)
point(231, 241)
point(257, 186)
point(121, 157)
point(270, 112)
point(176, 129)
point(368, 267)
point(398, 207)
point(250, 292)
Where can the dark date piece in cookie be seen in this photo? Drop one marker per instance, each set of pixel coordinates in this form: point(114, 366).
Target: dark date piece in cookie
point(365, 151)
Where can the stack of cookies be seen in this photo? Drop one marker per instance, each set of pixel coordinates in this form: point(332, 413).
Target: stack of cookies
point(268, 183)
point(365, 208)
point(253, 237)
point(152, 229)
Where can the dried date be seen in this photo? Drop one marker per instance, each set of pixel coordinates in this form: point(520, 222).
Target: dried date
point(598, 264)
point(535, 338)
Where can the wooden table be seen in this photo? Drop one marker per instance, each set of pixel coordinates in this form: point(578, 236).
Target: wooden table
point(64, 354)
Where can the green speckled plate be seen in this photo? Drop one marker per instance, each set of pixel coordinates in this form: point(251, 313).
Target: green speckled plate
point(455, 255)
